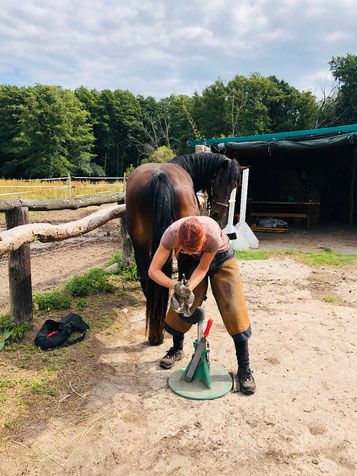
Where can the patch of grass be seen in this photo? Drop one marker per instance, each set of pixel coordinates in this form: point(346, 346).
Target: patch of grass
point(81, 303)
point(127, 271)
point(52, 300)
point(325, 257)
point(253, 255)
point(95, 281)
point(11, 332)
point(332, 299)
point(43, 387)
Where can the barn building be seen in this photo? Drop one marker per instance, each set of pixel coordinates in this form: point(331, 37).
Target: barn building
point(302, 176)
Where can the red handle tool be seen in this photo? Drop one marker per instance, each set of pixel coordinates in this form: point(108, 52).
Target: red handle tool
point(208, 327)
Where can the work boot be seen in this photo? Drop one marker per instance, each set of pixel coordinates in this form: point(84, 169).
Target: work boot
point(171, 357)
point(246, 381)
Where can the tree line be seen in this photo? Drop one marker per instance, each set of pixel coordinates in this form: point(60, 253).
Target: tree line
point(48, 131)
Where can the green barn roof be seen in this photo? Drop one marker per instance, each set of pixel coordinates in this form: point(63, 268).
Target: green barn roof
point(299, 135)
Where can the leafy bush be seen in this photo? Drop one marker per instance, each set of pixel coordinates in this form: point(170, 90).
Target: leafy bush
point(129, 170)
point(10, 332)
point(95, 281)
point(127, 271)
point(52, 300)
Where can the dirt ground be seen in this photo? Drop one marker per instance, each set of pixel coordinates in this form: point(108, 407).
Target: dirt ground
point(302, 419)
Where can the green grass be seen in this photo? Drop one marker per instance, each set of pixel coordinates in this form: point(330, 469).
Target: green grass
point(11, 332)
point(52, 300)
point(42, 387)
point(127, 271)
point(332, 299)
point(325, 257)
point(253, 255)
point(95, 281)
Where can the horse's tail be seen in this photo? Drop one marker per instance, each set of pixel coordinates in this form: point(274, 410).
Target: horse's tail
point(164, 213)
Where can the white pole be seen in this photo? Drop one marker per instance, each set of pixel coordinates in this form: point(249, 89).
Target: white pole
point(244, 194)
point(237, 242)
point(232, 202)
point(243, 230)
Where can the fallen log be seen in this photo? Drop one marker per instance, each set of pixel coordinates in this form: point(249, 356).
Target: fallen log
point(61, 204)
point(11, 240)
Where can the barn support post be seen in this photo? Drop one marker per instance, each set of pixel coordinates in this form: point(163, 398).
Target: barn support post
point(19, 264)
point(126, 241)
point(352, 186)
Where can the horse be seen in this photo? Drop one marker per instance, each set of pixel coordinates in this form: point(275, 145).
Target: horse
point(214, 174)
point(159, 194)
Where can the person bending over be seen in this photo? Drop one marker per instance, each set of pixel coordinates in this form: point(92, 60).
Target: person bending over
point(203, 251)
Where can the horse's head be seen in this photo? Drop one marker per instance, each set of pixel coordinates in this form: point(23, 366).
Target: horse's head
point(226, 178)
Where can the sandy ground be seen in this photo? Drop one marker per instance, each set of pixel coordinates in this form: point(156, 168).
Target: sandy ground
point(302, 420)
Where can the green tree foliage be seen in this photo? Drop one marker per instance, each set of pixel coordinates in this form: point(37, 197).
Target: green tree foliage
point(12, 100)
point(344, 70)
point(50, 135)
point(289, 109)
point(115, 117)
point(50, 131)
point(160, 155)
point(119, 119)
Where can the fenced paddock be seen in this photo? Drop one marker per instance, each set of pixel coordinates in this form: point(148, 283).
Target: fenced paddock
point(20, 232)
point(60, 187)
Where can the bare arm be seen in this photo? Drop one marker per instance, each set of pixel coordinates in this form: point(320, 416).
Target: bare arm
point(201, 270)
point(159, 259)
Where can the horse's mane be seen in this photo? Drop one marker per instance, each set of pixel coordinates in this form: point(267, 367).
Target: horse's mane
point(201, 167)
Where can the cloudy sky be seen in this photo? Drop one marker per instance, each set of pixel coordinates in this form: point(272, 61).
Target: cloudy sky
point(171, 46)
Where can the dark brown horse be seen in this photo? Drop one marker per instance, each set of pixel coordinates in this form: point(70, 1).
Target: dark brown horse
point(159, 194)
point(214, 174)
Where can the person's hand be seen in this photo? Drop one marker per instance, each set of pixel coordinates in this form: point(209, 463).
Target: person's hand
point(182, 298)
point(182, 291)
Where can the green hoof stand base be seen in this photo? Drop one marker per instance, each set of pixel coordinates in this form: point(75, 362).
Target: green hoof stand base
point(221, 384)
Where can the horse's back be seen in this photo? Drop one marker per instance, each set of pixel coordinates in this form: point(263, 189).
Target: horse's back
point(141, 202)
point(138, 192)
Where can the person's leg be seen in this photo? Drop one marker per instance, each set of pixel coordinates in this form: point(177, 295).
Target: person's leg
point(228, 291)
point(177, 327)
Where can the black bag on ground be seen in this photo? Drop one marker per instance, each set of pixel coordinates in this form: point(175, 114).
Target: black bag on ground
point(55, 333)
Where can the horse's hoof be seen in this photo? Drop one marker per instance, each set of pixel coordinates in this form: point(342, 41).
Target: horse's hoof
point(155, 341)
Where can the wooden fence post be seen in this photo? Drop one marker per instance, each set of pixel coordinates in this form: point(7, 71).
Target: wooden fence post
point(19, 271)
point(126, 241)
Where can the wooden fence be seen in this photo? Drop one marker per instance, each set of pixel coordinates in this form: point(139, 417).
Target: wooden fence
point(69, 185)
point(20, 232)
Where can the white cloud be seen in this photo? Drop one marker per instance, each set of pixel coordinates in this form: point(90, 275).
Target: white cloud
point(320, 83)
point(164, 46)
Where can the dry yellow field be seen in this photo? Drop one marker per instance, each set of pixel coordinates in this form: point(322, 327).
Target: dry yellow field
point(64, 188)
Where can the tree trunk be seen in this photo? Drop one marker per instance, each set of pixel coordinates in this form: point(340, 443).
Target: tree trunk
point(11, 240)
